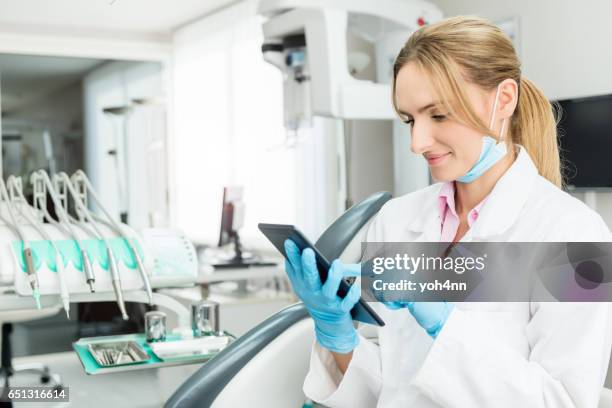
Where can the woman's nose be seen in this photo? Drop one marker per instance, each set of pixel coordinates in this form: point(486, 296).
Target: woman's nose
point(420, 140)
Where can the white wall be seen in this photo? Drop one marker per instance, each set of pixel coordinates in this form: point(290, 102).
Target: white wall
point(563, 42)
point(564, 48)
point(117, 84)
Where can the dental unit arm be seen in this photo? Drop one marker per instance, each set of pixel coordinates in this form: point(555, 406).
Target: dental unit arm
point(61, 250)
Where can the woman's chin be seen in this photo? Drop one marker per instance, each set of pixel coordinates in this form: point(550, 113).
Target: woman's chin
point(440, 176)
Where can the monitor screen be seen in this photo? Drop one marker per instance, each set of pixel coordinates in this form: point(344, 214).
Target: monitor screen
point(231, 213)
point(585, 131)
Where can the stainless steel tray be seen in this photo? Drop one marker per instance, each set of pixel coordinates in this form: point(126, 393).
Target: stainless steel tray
point(118, 353)
point(92, 366)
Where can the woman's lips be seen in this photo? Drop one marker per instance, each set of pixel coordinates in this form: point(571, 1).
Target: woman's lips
point(436, 159)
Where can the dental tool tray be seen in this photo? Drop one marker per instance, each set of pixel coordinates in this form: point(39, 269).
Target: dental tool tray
point(141, 355)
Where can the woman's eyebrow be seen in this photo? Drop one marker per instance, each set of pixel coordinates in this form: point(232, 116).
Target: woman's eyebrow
point(424, 108)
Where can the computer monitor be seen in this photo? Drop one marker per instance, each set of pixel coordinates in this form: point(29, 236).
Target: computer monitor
point(232, 214)
point(232, 219)
point(586, 140)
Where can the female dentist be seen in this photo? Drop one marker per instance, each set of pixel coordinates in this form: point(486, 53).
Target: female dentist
point(489, 137)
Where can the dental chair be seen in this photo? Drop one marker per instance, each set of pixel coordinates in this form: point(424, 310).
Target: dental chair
point(266, 367)
point(241, 375)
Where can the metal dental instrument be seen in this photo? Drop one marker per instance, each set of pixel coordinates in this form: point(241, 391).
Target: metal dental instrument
point(83, 213)
point(41, 183)
point(82, 185)
point(61, 190)
point(14, 186)
point(27, 250)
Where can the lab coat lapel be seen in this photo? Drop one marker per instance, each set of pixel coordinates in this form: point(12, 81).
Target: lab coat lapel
point(433, 226)
point(428, 225)
point(503, 206)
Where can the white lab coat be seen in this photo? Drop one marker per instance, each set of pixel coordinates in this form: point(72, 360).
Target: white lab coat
point(521, 354)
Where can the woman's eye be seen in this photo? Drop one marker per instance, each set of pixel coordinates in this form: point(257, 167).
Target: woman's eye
point(409, 122)
point(438, 118)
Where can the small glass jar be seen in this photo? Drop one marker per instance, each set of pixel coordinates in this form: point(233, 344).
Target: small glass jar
point(155, 326)
point(205, 318)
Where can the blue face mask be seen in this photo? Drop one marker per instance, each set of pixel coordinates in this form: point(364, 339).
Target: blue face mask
point(492, 151)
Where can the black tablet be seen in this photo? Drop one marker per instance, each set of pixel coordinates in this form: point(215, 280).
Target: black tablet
point(278, 233)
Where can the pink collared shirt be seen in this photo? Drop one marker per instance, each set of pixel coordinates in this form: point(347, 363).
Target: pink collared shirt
point(448, 215)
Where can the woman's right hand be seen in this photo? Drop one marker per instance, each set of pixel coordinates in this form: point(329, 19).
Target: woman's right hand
point(334, 327)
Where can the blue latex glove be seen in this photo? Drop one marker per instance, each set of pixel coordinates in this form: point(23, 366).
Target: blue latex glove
point(431, 316)
point(331, 314)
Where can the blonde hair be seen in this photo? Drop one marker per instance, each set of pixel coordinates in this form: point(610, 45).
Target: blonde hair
point(470, 49)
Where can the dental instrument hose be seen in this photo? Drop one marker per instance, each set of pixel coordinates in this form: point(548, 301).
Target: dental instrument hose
point(69, 232)
point(41, 176)
point(79, 175)
point(90, 277)
point(27, 250)
point(114, 269)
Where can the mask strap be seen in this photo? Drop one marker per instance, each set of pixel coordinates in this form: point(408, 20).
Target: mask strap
point(501, 132)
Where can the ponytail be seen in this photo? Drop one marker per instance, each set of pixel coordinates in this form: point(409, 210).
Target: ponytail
point(535, 128)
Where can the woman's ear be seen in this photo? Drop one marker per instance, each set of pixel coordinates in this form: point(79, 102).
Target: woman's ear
point(508, 98)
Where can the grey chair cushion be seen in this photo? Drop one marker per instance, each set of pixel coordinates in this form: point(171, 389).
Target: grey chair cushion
point(203, 387)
